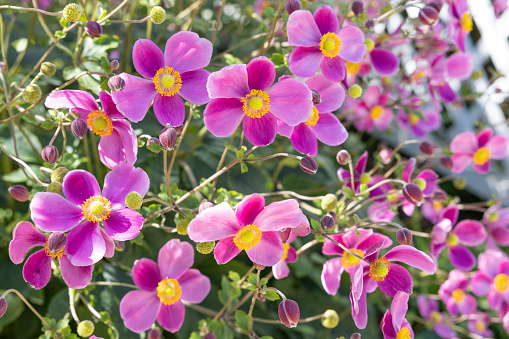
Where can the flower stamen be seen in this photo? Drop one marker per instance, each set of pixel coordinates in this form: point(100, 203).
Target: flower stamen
point(466, 22)
point(313, 118)
point(96, 208)
point(350, 260)
point(247, 237)
point(286, 247)
point(501, 282)
point(404, 333)
point(167, 81)
point(330, 45)
point(256, 103)
point(169, 291)
point(100, 123)
point(379, 269)
point(481, 156)
point(376, 112)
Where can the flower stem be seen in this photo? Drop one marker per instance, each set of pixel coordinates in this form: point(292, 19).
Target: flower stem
point(12, 290)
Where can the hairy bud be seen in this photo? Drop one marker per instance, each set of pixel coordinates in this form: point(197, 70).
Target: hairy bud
point(56, 241)
point(3, 306)
point(316, 97)
point(428, 16)
point(330, 319)
point(154, 334)
point(355, 336)
point(292, 6)
point(50, 154)
point(209, 335)
point(157, 15)
point(116, 83)
point(79, 128)
point(168, 138)
point(289, 313)
point(59, 174)
point(427, 148)
point(205, 247)
point(404, 236)
point(182, 226)
point(355, 91)
point(437, 5)
point(48, 69)
point(308, 165)
point(54, 187)
point(72, 12)
point(133, 200)
point(327, 222)
point(94, 29)
point(446, 162)
point(19, 193)
point(86, 328)
point(357, 8)
point(343, 157)
point(329, 202)
point(370, 24)
point(32, 93)
point(413, 194)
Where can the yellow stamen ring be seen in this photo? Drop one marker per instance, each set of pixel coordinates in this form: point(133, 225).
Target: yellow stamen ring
point(481, 156)
point(376, 112)
point(247, 237)
point(349, 260)
point(256, 103)
point(167, 81)
point(56, 255)
point(330, 45)
point(501, 282)
point(379, 269)
point(404, 333)
point(286, 247)
point(466, 22)
point(458, 295)
point(313, 118)
point(169, 291)
point(96, 208)
point(100, 123)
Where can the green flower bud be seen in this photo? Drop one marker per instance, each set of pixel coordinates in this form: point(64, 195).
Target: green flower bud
point(421, 183)
point(329, 202)
point(330, 319)
point(157, 15)
point(205, 247)
point(133, 200)
point(460, 183)
point(72, 12)
point(48, 69)
point(182, 227)
point(58, 174)
point(86, 328)
point(370, 44)
point(54, 187)
point(355, 91)
point(32, 93)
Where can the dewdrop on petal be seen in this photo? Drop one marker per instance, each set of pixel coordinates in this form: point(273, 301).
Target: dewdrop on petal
point(205, 247)
point(59, 174)
point(330, 319)
point(355, 91)
point(48, 69)
point(72, 12)
point(182, 226)
point(86, 328)
point(32, 93)
point(133, 200)
point(157, 15)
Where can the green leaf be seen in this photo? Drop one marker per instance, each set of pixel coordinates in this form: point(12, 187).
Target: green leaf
point(239, 154)
point(243, 167)
point(105, 316)
point(105, 64)
point(278, 60)
point(264, 281)
point(268, 11)
point(252, 279)
point(232, 60)
point(316, 225)
point(138, 240)
point(348, 192)
point(234, 276)
point(64, 23)
point(155, 148)
point(48, 125)
point(60, 34)
point(271, 295)
point(220, 329)
point(20, 45)
point(242, 320)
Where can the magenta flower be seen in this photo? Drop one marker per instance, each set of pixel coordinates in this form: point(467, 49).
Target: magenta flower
point(245, 93)
point(37, 269)
point(427, 180)
point(452, 293)
point(251, 227)
point(358, 244)
point(447, 234)
point(170, 77)
point(163, 288)
point(433, 206)
point(382, 273)
point(84, 207)
point(499, 6)
point(322, 124)
point(320, 43)
point(118, 142)
point(467, 147)
point(496, 220)
point(479, 324)
point(460, 24)
point(394, 324)
point(420, 127)
point(281, 269)
point(440, 322)
point(492, 279)
point(371, 112)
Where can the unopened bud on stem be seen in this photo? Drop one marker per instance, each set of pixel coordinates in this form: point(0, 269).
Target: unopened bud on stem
point(19, 193)
point(289, 313)
point(50, 154)
point(404, 236)
point(308, 165)
point(79, 128)
point(413, 194)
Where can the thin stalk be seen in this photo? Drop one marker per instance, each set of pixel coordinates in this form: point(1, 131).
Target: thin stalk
point(71, 306)
point(221, 161)
point(218, 21)
point(12, 290)
point(29, 9)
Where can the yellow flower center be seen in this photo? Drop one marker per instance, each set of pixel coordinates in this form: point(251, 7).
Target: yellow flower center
point(365, 178)
point(466, 22)
point(247, 237)
point(167, 81)
point(414, 119)
point(493, 217)
point(330, 45)
point(350, 260)
point(49, 253)
point(452, 239)
point(393, 196)
point(286, 247)
point(352, 68)
point(480, 326)
point(379, 269)
point(256, 103)
point(458, 295)
point(169, 291)
point(501, 282)
point(376, 112)
point(96, 208)
point(100, 123)
point(481, 156)
point(404, 333)
point(437, 205)
point(435, 317)
point(313, 118)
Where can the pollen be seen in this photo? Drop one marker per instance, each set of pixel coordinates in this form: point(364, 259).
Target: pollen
point(330, 45)
point(501, 282)
point(379, 269)
point(286, 247)
point(481, 156)
point(414, 119)
point(452, 239)
point(96, 208)
point(350, 260)
point(256, 103)
point(313, 118)
point(169, 291)
point(458, 295)
point(54, 254)
point(376, 112)
point(247, 237)
point(404, 333)
point(353, 68)
point(466, 22)
point(100, 123)
point(167, 81)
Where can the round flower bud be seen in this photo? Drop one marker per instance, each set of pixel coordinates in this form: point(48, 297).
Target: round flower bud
point(428, 16)
point(116, 83)
point(48, 69)
point(54, 187)
point(427, 148)
point(289, 313)
point(59, 174)
point(259, 267)
point(421, 183)
point(157, 15)
point(168, 138)
point(459, 183)
point(50, 154)
point(327, 222)
point(182, 226)
point(355, 336)
point(343, 157)
point(119, 245)
point(355, 91)
point(19, 193)
point(32, 93)
point(72, 12)
point(79, 128)
point(56, 241)
point(357, 8)
point(329, 202)
point(413, 194)
point(292, 6)
point(86, 328)
point(404, 236)
point(308, 165)
point(205, 247)
point(209, 335)
point(330, 319)
point(153, 140)
point(94, 29)
point(3, 306)
point(477, 74)
point(370, 24)
point(114, 65)
point(370, 44)
point(133, 200)
point(446, 162)
point(316, 97)
point(204, 205)
point(154, 334)
point(437, 5)
point(261, 298)
point(440, 196)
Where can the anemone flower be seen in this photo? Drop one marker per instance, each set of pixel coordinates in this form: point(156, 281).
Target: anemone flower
point(394, 324)
point(281, 269)
point(440, 322)
point(420, 126)
point(371, 111)
point(492, 279)
point(460, 24)
point(452, 292)
point(496, 220)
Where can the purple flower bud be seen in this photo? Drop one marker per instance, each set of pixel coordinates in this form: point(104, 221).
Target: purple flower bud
point(56, 241)
point(292, 6)
point(437, 5)
point(3, 306)
point(116, 83)
point(168, 138)
point(261, 298)
point(209, 335)
point(93, 29)
point(370, 24)
point(428, 16)
point(114, 65)
point(446, 162)
point(79, 128)
point(259, 267)
point(327, 222)
point(308, 165)
point(179, 129)
point(413, 194)
point(440, 196)
point(332, 215)
point(50, 154)
point(355, 336)
point(154, 334)
point(316, 97)
point(427, 148)
point(204, 205)
point(343, 157)
point(19, 193)
point(404, 236)
point(153, 140)
point(289, 313)
point(357, 8)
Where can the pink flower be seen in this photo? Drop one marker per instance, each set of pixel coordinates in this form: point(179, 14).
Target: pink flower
point(420, 127)
point(169, 77)
point(281, 269)
point(452, 293)
point(37, 269)
point(496, 220)
point(371, 111)
point(320, 43)
point(394, 324)
point(467, 147)
point(245, 93)
point(460, 24)
point(163, 287)
point(499, 6)
point(251, 227)
point(322, 124)
point(118, 142)
point(429, 309)
point(492, 279)
point(479, 323)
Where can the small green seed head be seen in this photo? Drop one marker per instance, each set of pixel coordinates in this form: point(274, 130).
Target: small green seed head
point(54, 187)
point(329, 202)
point(48, 69)
point(330, 319)
point(133, 200)
point(355, 91)
point(421, 183)
point(32, 93)
point(370, 44)
point(72, 12)
point(86, 328)
point(157, 15)
point(460, 183)
point(182, 227)
point(205, 247)
point(58, 174)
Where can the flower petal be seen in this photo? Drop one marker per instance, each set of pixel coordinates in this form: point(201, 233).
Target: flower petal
point(384, 62)
point(230, 82)
point(460, 66)
point(139, 310)
point(79, 185)
point(122, 180)
point(470, 232)
point(247, 210)
point(121, 146)
point(76, 277)
point(225, 250)
point(71, 99)
point(291, 101)
point(108, 106)
point(24, 237)
point(399, 307)
point(332, 94)
point(398, 279)
point(174, 258)
point(185, 51)
point(222, 116)
point(302, 29)
point(329, 130)
point(147, 58)
point(85, 244)
point(171, 317)
point(461, 258)
point(146, 274)
point(269, 250)
point(135, 99)
point(388, 327)
point(498, 147)
point(261, 73)
point(260, 131)
point(195, 286)
point(280, 270)
point(353, 48)
point(123, 224)
point(305, 61)
point(333, 69)
point(326, 20)
point(278, 215)
point(304, 140)
point(194, 86)
point(169, 110)
point(331, 275)
point(214, 223)
point(464, 143)
point(413, 257)
point(37, 270)
point(51, 212)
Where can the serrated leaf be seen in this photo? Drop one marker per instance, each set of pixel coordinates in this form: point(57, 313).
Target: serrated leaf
point(278, 60)
point(316, 225)
point(264, 281)
point(348, 192)
point(234, 276)
point(60, 34)
point(48, 125)
point(155, 148)
point(242, 320)
point(239, 154)
point(243, 167)
point(271, 295)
